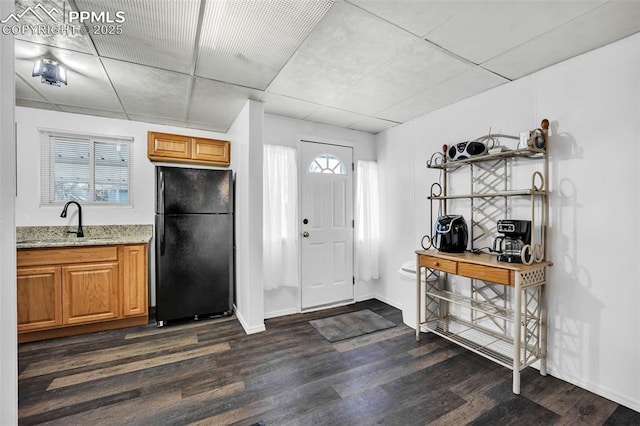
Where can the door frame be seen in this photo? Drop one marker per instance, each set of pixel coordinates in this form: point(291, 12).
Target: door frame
point(301, 170)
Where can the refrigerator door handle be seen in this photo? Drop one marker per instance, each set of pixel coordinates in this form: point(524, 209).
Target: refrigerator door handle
point(161, 194)
point(161, 211)
point(161, 226)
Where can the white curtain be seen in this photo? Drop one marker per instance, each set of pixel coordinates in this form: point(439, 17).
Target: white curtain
point(367, 221)
point(280, 217)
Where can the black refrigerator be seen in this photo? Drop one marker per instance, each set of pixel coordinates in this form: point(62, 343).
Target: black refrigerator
point(194, 243)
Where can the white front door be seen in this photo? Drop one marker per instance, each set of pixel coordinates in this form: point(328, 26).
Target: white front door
point(326, 176)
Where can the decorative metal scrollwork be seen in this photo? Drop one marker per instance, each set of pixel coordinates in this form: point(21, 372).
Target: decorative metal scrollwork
point(540, 177)
point(436, 187)
point(526, 254)
point(437, 159)
point(538, 252)
point(429, 241)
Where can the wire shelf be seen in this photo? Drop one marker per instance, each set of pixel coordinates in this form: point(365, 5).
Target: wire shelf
point(495, 348)
point(515, 153)
point(486, 308)
point(511, 193)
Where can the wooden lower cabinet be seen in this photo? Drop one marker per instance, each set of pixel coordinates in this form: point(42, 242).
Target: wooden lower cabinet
point(133, 263)
point(88, 289)
point(90, 293)
point(39, 298)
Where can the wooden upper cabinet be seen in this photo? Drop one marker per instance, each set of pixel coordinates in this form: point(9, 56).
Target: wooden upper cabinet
point(164, 145)
point(186, 149)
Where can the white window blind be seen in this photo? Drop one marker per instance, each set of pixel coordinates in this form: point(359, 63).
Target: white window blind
point(84, 168)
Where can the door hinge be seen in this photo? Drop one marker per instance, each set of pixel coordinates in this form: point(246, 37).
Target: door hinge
point(353, 167)
point(354, 280)
point(353, 223)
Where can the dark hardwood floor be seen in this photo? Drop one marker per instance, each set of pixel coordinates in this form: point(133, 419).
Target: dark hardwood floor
point(211, 373)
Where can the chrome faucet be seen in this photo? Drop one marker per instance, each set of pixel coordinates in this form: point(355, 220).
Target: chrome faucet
point(79, 232)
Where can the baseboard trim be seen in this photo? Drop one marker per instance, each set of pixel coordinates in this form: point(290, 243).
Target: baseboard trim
point(281, 313)
point(247, 329)
point(598, 390)
point(388, 301)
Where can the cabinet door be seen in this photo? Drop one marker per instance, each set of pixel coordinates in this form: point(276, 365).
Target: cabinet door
point(90, 293)
point(39, 298)
point(134, 280)
point(212, 150)
point(165, 145)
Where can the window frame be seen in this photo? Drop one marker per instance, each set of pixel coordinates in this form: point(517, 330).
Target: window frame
point(48, 138)
point(320, 169)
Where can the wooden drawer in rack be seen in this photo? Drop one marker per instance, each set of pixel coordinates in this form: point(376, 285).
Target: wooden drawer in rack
point(439, 264)
point(486, 273)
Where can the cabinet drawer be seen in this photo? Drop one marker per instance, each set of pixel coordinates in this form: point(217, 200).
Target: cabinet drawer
point(439, 264)
point(56, 256)
point(485, 273)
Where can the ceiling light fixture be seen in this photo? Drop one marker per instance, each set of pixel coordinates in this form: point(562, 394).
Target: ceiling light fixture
point(50, 71)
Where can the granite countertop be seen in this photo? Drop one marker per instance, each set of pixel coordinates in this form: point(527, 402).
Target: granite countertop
point(94, 235)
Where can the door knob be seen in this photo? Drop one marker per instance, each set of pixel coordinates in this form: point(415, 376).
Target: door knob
point(305, 234)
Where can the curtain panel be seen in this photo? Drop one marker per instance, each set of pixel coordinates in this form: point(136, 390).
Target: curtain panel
point(367, 221)
point(280, 217)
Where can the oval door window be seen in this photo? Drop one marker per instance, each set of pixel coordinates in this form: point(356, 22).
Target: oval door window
point(327, 163)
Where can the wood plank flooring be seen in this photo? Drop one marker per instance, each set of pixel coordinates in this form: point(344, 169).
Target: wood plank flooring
point(211, 373)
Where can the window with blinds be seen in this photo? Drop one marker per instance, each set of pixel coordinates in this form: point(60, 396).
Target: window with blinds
point(84, 168)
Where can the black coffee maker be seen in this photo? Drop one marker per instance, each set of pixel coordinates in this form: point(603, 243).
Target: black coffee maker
point(516, 234)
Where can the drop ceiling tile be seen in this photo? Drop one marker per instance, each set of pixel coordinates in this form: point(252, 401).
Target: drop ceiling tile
point(468, 84)
point(45, 22)
point(418, 17)
point(416, 68)
point(35, 104)
point(212, 127)
point(149, 91)
point(25, 92)
point(486, 29)
point(606, 24)
point(87, 85)
point(335, 117)
point(161, 34)
point(373, 125)
point(157, 120)
point(288, 107)
point(229, 100)
point(248, 42)
point(91, 111)
point(344, 47)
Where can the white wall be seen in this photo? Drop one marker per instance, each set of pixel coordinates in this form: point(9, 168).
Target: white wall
point(28, 209)
point(593, 104)
point(246, 133)
point(8, 314)
point(288, 131)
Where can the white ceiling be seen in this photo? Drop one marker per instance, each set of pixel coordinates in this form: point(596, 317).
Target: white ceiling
point(360, 64)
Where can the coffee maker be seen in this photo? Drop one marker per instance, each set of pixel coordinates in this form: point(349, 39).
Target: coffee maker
point(516, 234)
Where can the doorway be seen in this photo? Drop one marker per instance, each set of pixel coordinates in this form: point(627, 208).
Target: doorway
point(326, 215)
